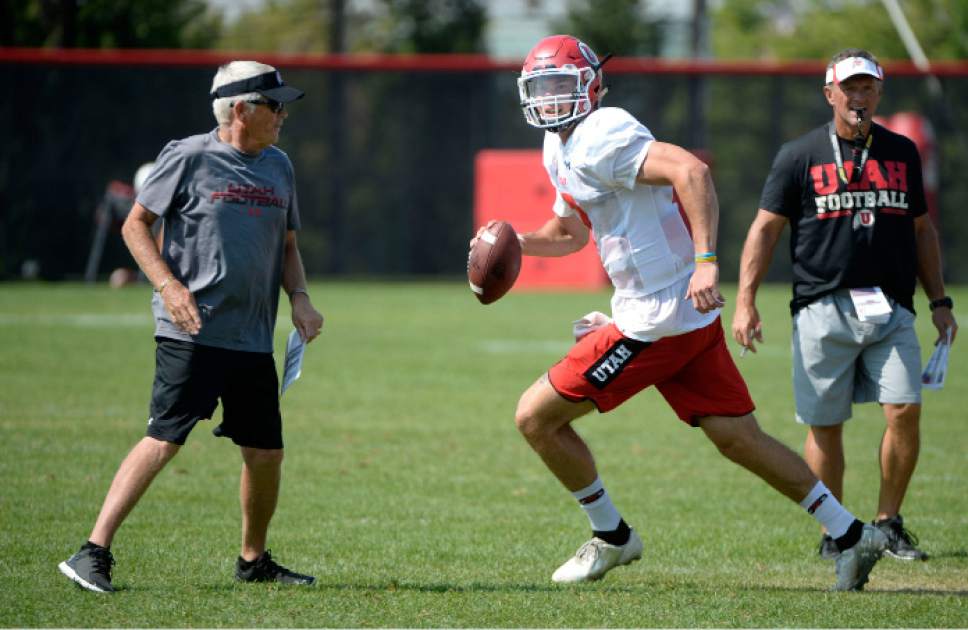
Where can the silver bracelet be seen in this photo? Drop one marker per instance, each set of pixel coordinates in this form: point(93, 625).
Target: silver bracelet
point(295, 291)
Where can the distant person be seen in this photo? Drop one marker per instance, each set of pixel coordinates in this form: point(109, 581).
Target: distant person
point(851, 191)
point(125, 276)
point(613, 179)
point(228, 202)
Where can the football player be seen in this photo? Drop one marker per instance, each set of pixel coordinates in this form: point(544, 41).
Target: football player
point(615, 181)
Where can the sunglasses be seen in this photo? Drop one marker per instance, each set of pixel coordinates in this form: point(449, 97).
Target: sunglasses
point(274, 106)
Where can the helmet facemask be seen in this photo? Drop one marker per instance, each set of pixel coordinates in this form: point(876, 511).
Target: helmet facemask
point(555, 98)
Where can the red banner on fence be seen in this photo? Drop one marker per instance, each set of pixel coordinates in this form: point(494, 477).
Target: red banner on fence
point(513, 186)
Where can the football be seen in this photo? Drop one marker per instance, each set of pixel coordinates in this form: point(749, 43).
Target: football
point(494, 262)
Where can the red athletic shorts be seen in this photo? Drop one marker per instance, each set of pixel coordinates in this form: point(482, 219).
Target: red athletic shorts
point(694, 372)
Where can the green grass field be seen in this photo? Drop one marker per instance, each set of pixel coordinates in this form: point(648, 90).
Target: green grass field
point(410, 495)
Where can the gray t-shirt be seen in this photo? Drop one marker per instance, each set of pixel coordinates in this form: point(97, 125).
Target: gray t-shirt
point(225, 216)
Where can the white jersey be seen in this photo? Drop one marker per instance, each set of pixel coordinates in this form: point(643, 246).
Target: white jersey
point(641, 237)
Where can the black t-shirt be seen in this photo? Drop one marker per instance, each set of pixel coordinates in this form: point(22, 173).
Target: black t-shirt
point(849, 235)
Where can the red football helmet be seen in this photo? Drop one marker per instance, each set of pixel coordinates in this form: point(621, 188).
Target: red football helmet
point(560, 83)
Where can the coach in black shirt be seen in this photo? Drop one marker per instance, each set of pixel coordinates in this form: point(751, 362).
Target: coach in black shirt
point(852, 193)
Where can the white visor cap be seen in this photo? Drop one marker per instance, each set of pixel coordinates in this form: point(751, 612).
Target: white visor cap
point(852, 66)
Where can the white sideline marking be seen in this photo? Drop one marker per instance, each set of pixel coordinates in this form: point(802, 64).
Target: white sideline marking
point(79, 320)
point(525, 346)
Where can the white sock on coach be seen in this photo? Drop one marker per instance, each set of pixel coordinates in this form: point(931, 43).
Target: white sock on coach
point(598, 507)
point(824, 506)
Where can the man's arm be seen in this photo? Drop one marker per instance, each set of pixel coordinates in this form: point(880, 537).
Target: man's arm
point(668, 164)
point(559, 236)
point(307, 320)
point(178, 300)
point(929, 273)
point(754, 262)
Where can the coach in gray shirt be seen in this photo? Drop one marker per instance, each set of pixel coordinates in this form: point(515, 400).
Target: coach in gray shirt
point(227, 200)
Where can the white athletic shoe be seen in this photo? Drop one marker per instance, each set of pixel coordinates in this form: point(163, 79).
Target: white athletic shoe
point(596, 558)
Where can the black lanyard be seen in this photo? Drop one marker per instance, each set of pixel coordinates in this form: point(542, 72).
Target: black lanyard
point(840, 160)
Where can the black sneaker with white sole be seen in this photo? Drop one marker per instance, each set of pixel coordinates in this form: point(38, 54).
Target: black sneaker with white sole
point(265, 569)
point(901, 543)
point(90, 568)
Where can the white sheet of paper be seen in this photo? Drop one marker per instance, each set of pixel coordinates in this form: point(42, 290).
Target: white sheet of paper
point(937, 368)
point(589, 323)
point(871, 305)
point(295, 347)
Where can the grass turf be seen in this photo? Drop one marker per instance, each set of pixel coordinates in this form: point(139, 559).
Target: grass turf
point(409, 494)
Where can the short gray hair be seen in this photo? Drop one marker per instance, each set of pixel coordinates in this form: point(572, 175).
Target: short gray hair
point(229, 73)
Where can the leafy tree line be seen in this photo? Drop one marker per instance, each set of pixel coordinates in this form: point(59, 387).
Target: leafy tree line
point(286, 26)
point(108, 23)
point(740, 29)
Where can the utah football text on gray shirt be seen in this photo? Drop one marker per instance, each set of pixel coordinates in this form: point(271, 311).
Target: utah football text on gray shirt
point(225, 216)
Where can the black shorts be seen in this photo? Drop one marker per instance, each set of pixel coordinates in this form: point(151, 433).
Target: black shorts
point(189, 381)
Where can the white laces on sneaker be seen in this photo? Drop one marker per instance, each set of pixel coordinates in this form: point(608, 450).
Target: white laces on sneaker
point(590, 551)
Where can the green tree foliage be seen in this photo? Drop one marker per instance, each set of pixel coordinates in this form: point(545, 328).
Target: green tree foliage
point(617, 26)
point(386, 26)
point(290, 26)
point(429, 26)
point(108, 23)
point(815, 29)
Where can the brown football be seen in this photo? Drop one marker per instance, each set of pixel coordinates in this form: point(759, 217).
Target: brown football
point(494, 262)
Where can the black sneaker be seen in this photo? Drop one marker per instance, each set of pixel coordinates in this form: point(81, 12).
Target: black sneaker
point(265, 569)
point(90, 568)
point(827, 549)
point(902, 544)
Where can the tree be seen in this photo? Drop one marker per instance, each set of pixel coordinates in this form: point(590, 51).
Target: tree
point(816, 29)
point(108, 23)
point(387, 26)
point(429, 26)
point(289, 26)
point(617, 26)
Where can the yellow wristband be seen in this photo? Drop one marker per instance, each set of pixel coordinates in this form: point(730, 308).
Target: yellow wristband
point(706, 258)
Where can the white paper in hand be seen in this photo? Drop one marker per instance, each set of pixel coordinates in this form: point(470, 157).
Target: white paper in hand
point(295, 347)
point(937, 368)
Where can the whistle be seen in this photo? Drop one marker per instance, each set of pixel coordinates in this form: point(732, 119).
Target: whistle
point(860, 123)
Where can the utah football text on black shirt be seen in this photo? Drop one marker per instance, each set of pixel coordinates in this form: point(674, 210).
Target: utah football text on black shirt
point(852, 235)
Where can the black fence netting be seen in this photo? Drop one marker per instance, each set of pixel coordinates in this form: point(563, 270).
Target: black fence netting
point(384, 159)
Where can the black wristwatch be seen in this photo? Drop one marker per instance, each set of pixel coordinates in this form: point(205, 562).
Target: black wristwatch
point(945, 301)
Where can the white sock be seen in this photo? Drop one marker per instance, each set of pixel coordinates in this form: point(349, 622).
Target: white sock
point(598, 506)
point(824, 506)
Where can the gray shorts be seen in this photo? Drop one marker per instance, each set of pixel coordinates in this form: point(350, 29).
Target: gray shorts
point(838, 359)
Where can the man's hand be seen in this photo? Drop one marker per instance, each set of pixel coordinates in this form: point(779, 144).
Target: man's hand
point(307, 320)
point(480, 231)
point(180, 304)
point(704, 288)
point(943, 319)
point(747, 326)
